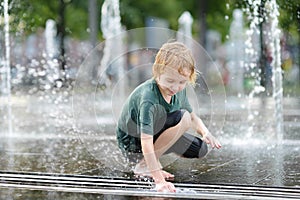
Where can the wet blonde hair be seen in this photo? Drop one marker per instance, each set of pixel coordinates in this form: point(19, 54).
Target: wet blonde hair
point(177, 56)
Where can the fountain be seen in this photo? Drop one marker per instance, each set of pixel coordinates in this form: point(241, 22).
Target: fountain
point(111, 27)
point(235, 55)
point(52, 71)
point(7, 71)
point(185, 28)
point(273, 13)
point(8, 133)
point(272, 33)
point(104, 98)
point(53, 142)
point(50, 36)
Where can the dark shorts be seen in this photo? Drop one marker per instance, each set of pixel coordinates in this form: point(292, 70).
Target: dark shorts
point(188, 145)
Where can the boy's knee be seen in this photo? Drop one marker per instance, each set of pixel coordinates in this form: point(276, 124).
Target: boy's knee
point(186, 118)
point(203, 150)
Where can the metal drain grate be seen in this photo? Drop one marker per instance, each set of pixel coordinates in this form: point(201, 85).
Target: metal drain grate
point(129, 187)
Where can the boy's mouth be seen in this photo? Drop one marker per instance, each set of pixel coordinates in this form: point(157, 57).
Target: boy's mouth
point(171, 92)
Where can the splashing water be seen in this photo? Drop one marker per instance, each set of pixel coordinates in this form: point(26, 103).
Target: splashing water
point(270, 18)
point(185, 28)
point(251, 114)
point(272, 9)
point(252, 48)
point(7, 66)
point(111, 26)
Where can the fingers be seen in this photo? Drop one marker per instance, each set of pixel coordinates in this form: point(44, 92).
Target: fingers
point(167, 175)
point(218, 145)
point(171, 188)
point(212, 141)
point(215, 144)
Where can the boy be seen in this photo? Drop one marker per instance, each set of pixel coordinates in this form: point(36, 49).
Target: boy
point(157, 114)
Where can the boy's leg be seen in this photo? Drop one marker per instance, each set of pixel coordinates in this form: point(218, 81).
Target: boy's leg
point(170, 136)
point(189, 146)
point(177, 124)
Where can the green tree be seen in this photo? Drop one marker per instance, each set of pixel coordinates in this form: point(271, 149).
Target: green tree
point(26, 16)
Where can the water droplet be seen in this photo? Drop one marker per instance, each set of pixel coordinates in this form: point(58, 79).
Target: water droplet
point(47, 87)
point(58, 83)
point(227, 6)
point(250, 117)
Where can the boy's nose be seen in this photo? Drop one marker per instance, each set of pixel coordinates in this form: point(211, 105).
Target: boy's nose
point(175, 88)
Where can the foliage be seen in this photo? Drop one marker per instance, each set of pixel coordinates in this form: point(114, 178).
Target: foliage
point(134, 12)
point(27, 16)
point(290, 17)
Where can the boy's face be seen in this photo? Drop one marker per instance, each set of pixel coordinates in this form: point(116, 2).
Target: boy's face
point(171, 81)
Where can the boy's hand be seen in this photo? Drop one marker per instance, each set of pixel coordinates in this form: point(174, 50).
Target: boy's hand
point(210, 139)
point(165, 187)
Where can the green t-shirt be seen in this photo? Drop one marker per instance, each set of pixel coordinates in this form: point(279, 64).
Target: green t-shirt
point(145, 111)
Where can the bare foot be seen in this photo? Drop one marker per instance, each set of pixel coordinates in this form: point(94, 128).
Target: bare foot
point(141, 169)
point(167, 175)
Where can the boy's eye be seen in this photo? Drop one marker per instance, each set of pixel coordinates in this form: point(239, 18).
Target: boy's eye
point(170, 81)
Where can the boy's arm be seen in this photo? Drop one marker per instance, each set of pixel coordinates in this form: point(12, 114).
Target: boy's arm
point(200, 128)
point(153, 164)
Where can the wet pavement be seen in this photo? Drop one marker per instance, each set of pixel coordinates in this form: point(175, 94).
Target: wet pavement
point(45, 140)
